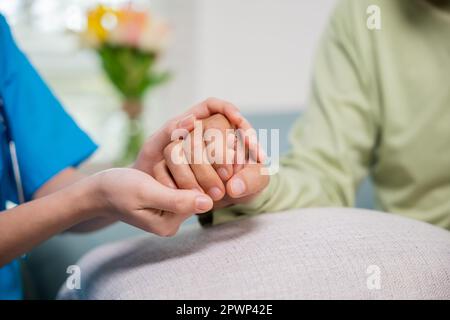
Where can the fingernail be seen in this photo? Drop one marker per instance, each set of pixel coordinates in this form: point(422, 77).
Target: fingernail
point(215, 193)
point(186, 122)
point(202, 203)
point(237, 186)
point(223, 173)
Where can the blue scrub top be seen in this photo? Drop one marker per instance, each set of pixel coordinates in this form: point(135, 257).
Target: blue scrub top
point(47, 139)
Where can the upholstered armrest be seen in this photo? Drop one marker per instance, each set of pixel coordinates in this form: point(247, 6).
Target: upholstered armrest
point(303, 254)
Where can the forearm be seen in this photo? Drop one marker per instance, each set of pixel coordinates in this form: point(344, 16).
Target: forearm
point(67, 178)
point(301, 185)
point(27, 225)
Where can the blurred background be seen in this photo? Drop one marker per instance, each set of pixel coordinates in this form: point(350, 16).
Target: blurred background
point(255, 53)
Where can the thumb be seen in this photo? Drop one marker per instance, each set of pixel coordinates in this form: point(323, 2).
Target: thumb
point(248, 181)
point(185, 202)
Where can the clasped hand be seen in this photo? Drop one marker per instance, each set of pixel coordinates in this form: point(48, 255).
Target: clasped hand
point(181, 172)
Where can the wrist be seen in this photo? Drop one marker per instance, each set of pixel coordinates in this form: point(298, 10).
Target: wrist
point(86, 196)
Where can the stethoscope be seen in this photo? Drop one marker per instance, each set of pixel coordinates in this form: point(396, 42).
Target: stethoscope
point(13, 156)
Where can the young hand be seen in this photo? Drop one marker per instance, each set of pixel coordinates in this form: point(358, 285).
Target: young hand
point(135, 198)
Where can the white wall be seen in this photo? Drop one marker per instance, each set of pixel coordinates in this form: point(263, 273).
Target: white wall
point(258, 53)
point(255, 53)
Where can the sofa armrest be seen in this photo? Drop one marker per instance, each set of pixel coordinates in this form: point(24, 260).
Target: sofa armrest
point(301, 254)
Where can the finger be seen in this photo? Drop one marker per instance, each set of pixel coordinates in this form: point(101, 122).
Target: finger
point(249, 138)
point(248, 181)
point(181, 202)
point(162, 174)
point(167, 209)
point(212, 106)
point(179, 167)
point(205, 174)
point(180, 126)
point(171, 131)
point(241, 155)
point(164, 209)
point(220, 138)
point(245, 130)
point(183, 205)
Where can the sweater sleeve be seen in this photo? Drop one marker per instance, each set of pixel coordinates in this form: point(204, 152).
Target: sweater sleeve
point(333, 143)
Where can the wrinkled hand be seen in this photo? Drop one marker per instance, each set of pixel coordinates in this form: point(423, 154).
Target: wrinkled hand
point(152, 150)
point(226, 182)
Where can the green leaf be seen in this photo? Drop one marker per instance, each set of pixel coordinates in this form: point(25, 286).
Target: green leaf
point(130, 70)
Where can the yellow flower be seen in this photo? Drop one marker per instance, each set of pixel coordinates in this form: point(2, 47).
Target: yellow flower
point(101, 21)
point(124, 26)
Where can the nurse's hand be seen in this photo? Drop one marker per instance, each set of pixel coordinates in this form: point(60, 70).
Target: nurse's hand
point(128, 195)
point(135, 198)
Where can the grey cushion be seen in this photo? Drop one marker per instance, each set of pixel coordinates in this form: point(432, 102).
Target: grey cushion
point(303, 254)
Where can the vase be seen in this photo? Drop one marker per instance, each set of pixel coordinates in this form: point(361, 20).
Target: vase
point(134, 132)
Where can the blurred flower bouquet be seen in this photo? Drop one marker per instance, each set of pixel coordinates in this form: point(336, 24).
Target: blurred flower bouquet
point(129, 43)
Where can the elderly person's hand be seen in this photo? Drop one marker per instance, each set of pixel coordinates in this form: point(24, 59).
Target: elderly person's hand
point(229, 170)
point(152, 150)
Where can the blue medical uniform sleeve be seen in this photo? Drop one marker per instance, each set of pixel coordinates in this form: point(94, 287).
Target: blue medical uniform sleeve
point(47, 138)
